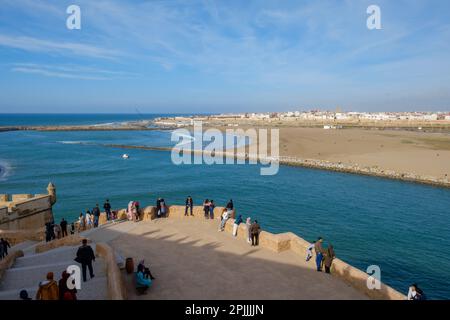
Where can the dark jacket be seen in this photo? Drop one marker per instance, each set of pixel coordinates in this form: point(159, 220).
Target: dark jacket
point(63, 225)
point(85, 254)
point(107, 206)
point(96, 212)
point(255, 228)
point(189, 202)
point(62, 285)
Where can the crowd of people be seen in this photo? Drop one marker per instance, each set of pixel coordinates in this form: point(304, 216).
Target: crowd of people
point(57, 231)
point(50, 289)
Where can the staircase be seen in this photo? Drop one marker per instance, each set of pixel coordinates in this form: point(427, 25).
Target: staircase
point(28, 271)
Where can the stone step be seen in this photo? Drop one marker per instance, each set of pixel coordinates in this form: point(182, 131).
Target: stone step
point(24, 246)
point(95, 289)
point(30, 276)
point(59, 254)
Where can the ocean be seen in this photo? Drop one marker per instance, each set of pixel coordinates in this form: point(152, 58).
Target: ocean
point(401, 227)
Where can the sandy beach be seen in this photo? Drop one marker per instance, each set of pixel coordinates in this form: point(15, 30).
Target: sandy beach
point(422, 153)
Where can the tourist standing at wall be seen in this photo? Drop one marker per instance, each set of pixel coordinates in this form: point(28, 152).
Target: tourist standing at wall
point(2, 252)
point(88, 222)
point(328, 258)
point(319, 253)
point(57, 231)
point(96, 213)
point(107, 207)
point(211, 209)
point(236, 224)
point(230, 205)
point(189, 205)
point(48, 231)
point(163, 207)
point(415, 293)
point(4, 247)
point(48, 289)
point(309, 252)
point(81, 222)
point(225, 217)
point(206, 208)
point(63, 226)
point(85, 256)
point(158, 208)
point(255, 229)
point(248, 224)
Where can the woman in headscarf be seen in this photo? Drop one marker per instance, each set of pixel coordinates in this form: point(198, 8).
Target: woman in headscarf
point(248, 224)
point(328, 258)
point(236, 224)
point(64, 291)
point(130, 210)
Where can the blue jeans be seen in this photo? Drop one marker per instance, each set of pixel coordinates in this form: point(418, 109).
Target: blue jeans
point(319, 258)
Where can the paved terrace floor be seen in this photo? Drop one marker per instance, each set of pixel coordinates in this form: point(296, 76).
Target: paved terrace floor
point(192, 260)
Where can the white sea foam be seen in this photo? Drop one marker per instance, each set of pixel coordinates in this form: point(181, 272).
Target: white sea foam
point(5, 170)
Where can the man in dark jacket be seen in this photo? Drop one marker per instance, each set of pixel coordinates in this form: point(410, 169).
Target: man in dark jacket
point(63, 226)
point(319, 253)
point(230, 205)
point(189, 205)
point(107, 207)
point(85, 256)
point(96, 213)
point(255, 229)
point(5, 245)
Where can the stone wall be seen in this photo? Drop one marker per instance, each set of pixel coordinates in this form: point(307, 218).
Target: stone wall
point(17, 236)
point(26, 211)
point(27, 214)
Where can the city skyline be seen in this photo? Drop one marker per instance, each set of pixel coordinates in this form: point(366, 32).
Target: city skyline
point(223, 57)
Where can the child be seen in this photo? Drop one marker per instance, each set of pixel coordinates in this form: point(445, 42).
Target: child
point(309, 252)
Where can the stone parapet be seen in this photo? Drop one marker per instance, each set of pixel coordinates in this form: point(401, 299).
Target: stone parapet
point(116, 287)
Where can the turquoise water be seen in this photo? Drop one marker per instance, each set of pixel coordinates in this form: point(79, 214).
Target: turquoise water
point(402, 227)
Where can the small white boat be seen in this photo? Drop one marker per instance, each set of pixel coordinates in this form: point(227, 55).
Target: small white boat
point(125, 156)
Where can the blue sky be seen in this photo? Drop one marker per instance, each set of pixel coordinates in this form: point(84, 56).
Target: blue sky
point(223, 56)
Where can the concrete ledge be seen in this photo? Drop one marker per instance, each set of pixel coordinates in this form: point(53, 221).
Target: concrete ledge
point(116, 287)
point(17, 236)
point(282, 242)
point(71, 240)
point(7, 262)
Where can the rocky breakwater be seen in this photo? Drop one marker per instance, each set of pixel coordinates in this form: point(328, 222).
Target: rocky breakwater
point(370, 171)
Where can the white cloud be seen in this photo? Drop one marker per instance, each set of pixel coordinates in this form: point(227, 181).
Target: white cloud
point(40, 45)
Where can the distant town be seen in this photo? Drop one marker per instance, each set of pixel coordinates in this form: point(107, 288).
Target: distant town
point(313, 116)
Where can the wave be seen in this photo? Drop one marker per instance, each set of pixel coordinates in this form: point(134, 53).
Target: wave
point(5, 170)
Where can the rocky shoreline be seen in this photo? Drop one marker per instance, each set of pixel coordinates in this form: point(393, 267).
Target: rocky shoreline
point(367, 171)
